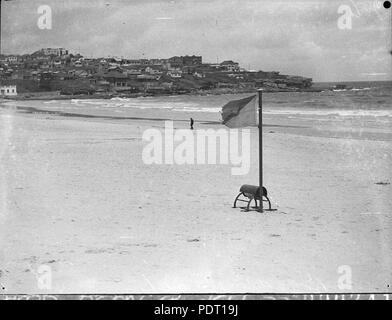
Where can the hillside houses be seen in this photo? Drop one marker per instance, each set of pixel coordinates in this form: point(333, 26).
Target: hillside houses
point(58, 69)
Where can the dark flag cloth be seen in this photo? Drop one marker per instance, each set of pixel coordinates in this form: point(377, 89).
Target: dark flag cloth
point(240, 113)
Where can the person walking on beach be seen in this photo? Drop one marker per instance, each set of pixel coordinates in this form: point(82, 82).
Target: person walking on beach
point(192, 122)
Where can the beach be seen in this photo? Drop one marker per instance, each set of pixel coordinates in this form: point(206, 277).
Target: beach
point(77, 198)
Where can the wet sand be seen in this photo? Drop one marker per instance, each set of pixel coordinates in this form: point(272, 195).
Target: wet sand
point(76, 196)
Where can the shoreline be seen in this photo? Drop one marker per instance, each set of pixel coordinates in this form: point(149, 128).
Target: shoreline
point(36, 96)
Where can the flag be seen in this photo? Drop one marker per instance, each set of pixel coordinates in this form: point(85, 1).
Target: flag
point(240, 113)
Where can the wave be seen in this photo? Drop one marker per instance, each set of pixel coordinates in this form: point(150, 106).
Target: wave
point(351, 89)
point(200, 109)
point(332, 113)
point(360, 89)
point(135, 103)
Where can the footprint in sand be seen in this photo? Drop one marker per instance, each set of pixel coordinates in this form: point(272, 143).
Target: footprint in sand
point(150, 245)
point(96, 251)
point(50, 261)
point(32, 259)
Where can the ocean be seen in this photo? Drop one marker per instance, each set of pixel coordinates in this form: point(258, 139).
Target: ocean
point(372, 100)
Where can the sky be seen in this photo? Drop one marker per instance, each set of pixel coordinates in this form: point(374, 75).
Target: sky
point(296, 37)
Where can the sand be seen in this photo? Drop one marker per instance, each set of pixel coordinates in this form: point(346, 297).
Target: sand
point(76, 199)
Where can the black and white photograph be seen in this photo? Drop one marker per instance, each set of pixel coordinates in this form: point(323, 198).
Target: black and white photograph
point(195, 147)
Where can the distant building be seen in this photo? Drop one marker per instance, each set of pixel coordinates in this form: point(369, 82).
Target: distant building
point(153, 70)
point(115, 69)
point(176, 60)
point(12, 59)
point(191, 60)
point(175, 73)
point(213, 65)
point(180, 61)
point(157, 62)
point(144, 62)
point(81, 73)
point(230, 65)
point(8, 90)
point(199, 74)
point(147, 77)
point(57, 62)
point(54, 51)
point(189, 69)
point(133, 62)
point(78, 64)
point(115, 78)
point(133, 72)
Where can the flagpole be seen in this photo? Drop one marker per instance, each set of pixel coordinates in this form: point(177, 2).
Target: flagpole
point(261, 149)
